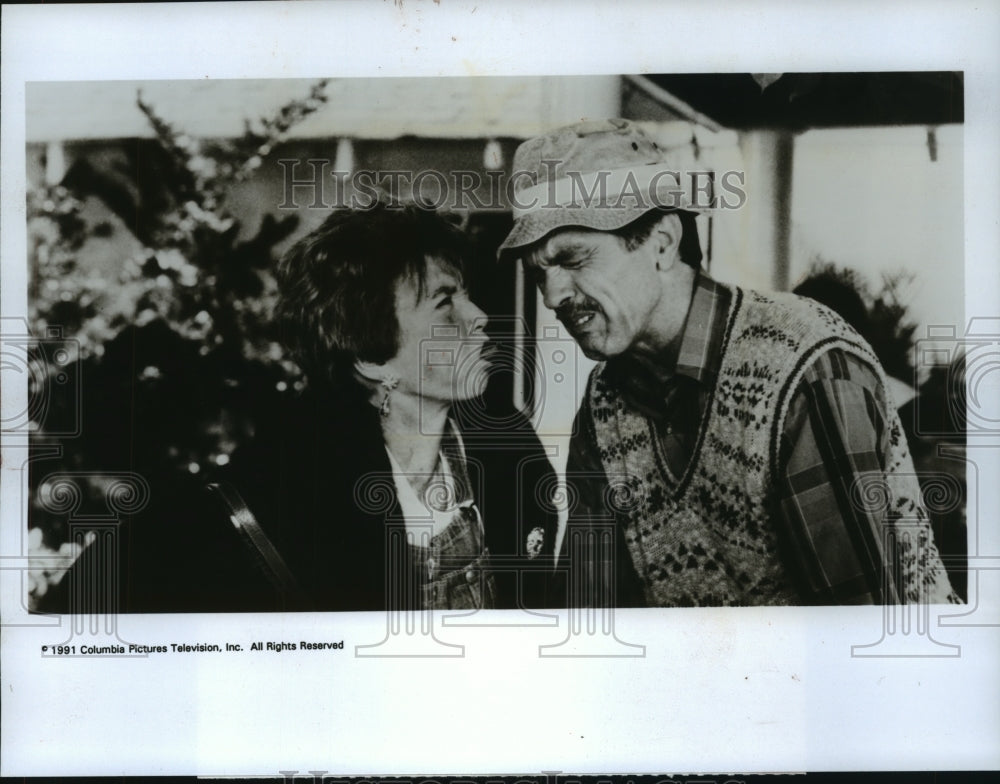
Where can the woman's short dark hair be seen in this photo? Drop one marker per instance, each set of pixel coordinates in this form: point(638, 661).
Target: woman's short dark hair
point(337, 285)
point(637, 232)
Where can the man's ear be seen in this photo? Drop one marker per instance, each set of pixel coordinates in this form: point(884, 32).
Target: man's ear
point(666, 238)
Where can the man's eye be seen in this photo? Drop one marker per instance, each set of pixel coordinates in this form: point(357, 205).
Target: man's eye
point(575, 262)
point(444, 302)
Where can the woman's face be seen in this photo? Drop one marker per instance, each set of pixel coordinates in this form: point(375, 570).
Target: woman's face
point(441, 338)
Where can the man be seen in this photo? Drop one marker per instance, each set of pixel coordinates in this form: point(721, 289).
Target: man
point(740, 445)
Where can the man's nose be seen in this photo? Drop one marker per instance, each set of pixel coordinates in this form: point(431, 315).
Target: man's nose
point(554, 284)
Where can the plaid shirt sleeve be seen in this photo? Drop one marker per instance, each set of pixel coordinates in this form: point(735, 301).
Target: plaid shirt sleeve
point(837, 434)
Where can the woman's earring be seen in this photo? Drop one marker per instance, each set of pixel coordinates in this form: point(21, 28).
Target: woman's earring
point(389, 383)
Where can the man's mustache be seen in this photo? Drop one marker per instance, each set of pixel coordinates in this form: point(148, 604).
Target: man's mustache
point(569, 312)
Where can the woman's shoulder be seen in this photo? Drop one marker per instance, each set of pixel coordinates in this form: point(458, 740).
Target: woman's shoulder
point(309, 442)
point(316, 414)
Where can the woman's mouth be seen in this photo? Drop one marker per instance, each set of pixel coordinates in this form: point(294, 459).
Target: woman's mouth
point(488, 351)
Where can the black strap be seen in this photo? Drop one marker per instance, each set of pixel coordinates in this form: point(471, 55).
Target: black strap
point(265, 555)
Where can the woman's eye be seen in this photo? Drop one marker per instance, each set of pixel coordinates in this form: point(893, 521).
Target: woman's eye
point(443, 303)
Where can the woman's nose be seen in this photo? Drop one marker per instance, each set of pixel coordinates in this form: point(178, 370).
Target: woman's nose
point(475, 319)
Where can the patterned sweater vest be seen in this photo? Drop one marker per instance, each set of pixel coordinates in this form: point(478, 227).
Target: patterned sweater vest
point(709, 539)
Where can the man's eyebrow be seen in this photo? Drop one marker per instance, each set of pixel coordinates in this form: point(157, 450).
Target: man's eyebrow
point(564, 254)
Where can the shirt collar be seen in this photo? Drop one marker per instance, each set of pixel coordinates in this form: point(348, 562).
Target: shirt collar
point(701, 339)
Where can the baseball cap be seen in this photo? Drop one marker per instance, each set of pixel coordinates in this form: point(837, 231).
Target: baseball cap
point(596, 174)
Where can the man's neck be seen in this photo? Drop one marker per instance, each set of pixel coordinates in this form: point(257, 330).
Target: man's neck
point(658, 352)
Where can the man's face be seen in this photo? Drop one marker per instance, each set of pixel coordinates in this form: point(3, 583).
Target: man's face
point(603, 294)
point(441, 338)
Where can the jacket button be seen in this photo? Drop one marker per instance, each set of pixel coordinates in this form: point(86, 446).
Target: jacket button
point(471, 576)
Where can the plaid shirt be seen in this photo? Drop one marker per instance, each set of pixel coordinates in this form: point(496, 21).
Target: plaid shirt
point(835, 429)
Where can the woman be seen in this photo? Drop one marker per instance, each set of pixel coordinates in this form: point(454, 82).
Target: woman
point(384, 487)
